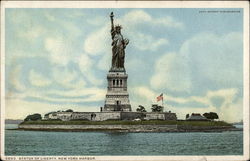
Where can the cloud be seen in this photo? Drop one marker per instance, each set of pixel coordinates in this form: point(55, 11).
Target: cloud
point(77, 95)
point(158, 43)
point(76, 14)
point(49, 16)
point(14, 78)
point(86, 66)
point(137, 16)
point(32, 33)
point(147, 42)
point(232, 112)
point(215, 60)
point(24, 108)
point(104, 62)
point(17, 16)
point(65, 24)
point(72, 30)
point(85, 62)
point(135, 19)
point(169, 21)
point(171, 72)
point(58, 48)
point(140, 16)
point(67, 78)
point(37, 79)
point(96, 21)
point(144, 92)
point(219, 58)
point(91, 94)
point(98, 41)
point(229, 95)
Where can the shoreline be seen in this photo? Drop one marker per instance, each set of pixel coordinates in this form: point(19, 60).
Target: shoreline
point(126, 128)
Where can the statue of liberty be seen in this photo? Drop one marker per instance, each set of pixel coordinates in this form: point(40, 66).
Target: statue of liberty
point(118, 46)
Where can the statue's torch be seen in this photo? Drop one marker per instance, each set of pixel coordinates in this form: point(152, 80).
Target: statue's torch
point(112, 20)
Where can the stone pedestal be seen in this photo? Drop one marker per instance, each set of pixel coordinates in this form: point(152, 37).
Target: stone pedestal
point(117, 97)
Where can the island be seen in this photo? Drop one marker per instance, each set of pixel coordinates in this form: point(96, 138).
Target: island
point(127, 126)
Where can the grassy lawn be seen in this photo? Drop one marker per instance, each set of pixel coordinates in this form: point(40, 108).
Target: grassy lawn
point(118, 122)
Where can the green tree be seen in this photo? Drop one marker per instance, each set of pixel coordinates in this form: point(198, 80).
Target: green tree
point(211, 115)
point(141, 109)
point(33, 117)
point(69, 110)
point(157, 108)
point(187, 116)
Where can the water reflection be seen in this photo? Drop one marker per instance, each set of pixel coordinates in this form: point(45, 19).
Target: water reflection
point(117, 143)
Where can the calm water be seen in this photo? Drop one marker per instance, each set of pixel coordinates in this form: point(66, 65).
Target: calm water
point(25, 143)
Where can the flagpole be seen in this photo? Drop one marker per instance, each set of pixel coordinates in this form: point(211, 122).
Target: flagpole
point(162, 104)
point(162, 101)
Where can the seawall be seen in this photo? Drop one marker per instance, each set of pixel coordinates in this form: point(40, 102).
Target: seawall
point(128, 128)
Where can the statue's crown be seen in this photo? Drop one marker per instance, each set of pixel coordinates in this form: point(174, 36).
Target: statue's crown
point(118, 26)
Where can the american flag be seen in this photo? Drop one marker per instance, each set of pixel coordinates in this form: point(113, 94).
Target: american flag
point(159, 97)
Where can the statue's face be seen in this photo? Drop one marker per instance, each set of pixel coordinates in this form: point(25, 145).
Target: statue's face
point(118, 30)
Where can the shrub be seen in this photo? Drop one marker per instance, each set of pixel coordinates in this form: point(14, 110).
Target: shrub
point(33, 117)
point(211, 115)
point(141, 109)
point(157, 108)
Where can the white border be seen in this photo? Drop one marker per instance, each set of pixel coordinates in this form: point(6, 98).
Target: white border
point(2, 81)
point(125, 4)
point(136, 4)
point(246, 68)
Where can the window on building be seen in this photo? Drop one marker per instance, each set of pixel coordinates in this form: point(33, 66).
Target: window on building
point(117, 82)
point(113, 82)
point(120, 82)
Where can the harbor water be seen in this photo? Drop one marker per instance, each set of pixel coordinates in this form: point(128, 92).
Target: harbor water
point(41, 143)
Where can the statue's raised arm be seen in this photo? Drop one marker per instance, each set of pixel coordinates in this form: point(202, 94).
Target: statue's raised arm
point(112, 25)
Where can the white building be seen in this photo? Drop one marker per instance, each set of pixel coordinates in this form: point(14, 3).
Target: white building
point(50, 116)
point(64, 116)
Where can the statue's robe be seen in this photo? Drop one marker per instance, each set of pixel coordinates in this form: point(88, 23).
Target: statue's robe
point(118, 51)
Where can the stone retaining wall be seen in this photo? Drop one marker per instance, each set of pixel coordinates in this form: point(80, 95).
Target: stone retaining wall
point(127, 128)
point(124, 128)
point(132, 115)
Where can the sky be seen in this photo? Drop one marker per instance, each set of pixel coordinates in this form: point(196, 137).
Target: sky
point(58, 59)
